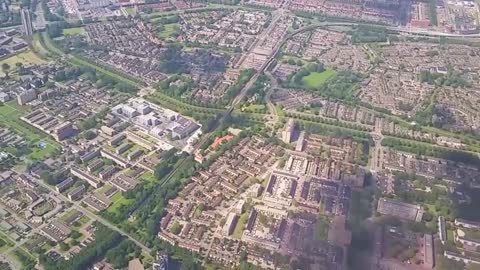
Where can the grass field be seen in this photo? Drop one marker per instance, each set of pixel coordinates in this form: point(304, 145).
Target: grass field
point(73, 31)
point(322, 227)
point(279, 110)
point(37, 46)
point(131, 11)
point(315, 79)
point(5, 243)
point(169, 30)
point(450, 236)
point(255, 107)
point(118, 201)
point(148, 177)
point(237, 233)
point(27, 57)
point(104, 188)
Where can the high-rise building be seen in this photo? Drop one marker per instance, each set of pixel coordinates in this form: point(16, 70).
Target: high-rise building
point(26, 96)
point(287, 133)
point(27, 25)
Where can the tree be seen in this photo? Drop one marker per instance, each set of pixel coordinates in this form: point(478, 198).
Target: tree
point(75, 234)
point(88, 123)
point(74, 242)
point(176, 228)
point(20, 68)
point(5, 69)
point(89, 135)
point(189, 264)
point(120, 255)
point(64, 246)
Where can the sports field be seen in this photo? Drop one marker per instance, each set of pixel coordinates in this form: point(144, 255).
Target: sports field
point(315, 79)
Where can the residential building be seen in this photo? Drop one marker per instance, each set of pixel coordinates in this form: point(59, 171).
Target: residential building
point(230, 224)
point(467, 224)
point(26, 96)
point(428, 252)
point(442, 230)
point(287, 133)
point(76, 193)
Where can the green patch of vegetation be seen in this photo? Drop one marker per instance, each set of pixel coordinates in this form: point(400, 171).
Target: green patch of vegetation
point(73, 31)
point(326, 82)
point(39, 153)
point(431, 209)
point(176, 228)
point(199, 210)
point(119, 201)
point(27, 261)
point(131, 11)
point(169, 30)
point(369, 34)
point(104, 189)
point(450, 236)
point(27, 57)
point(279, 110)
point(322, 227)
point(5, 243)
point(316, 79)
point(452, 78)
point(255, 108)
point(237, 233)
point(443, 263)
point(293, 60)
point(120, 255)
point(148, 177)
